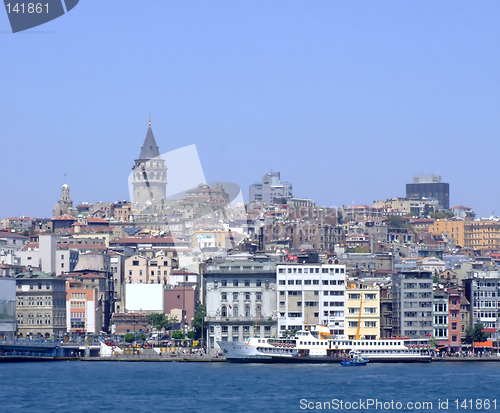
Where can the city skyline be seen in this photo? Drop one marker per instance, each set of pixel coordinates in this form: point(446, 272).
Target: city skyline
point(348, 101)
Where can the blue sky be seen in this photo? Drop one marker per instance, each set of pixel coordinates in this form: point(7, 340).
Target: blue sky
point(347, 99)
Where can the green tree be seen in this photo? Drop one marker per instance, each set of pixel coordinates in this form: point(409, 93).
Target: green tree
point(178, 334)
point(142, 336)
point(475, 334)
point(191, 334)
point(129, 337)
point(395, 221)
point(427, 210)
point(435, 277)
point(433, 342)
point(199, 321)
point(158, 321)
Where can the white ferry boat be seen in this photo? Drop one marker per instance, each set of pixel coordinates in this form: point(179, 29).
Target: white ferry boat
point(315, 346)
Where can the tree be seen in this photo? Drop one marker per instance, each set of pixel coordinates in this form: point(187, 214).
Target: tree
point(435, 277)
point(199, 321)
point(395, 221)
point(129, 337)
point(158, 321)
point(191, 334)
point(142, 336)
point(178, 334)
point(427, 210)
point(475, 334)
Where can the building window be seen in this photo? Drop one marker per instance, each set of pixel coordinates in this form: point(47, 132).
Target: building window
point(247, 311)
point(224, 296)
point(235, 311)
point(247, 296)
point(247, 283)
point(258, 283)
point(258, 296)
point(224, 311)
point(281, 282)
point(235, 283)
point(223, 283)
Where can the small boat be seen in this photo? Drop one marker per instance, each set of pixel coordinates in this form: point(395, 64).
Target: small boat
point(354, 359)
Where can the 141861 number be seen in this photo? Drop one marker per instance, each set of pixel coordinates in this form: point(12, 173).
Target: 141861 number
point(30, 8)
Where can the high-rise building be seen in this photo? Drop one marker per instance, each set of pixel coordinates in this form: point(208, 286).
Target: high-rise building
point(270, 188)
point(149, 173)
point(429, 186)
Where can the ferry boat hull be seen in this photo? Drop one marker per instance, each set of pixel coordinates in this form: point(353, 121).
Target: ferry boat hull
point(240, 352)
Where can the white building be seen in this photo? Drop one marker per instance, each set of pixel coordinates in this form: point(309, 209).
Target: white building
point(240, 298)
point(309, 294)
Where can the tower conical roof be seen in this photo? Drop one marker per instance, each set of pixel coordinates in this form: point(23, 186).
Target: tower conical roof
point(149, 148)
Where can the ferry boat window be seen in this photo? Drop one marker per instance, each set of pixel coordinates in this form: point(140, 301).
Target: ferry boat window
point(289, 270)
point(298, 282)
point(324, 270)
point(281, 270)
point(333, 282)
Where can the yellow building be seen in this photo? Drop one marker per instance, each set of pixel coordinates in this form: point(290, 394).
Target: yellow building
point(364, 297)
point(482, 234)
point(451, 228)
point(208, 238)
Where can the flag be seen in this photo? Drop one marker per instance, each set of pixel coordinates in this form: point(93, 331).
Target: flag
point(230, 306)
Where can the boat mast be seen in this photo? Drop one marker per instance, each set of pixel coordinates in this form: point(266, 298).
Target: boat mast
point(359, 317)
point(256, 313)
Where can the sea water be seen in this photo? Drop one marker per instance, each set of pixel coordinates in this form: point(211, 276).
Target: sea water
point(223, 387)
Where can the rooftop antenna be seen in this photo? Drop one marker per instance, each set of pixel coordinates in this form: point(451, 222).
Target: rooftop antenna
point(149, 118)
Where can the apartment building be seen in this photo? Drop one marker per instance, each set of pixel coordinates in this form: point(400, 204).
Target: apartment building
point(412, 304)
point(362, 310)
point(482, 234)
point(41, 304)
point(311, 293)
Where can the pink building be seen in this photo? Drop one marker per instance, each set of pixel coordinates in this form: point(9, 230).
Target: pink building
point(179, 299)
point(454, 323)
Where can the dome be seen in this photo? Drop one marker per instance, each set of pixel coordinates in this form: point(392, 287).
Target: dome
point(65, 186)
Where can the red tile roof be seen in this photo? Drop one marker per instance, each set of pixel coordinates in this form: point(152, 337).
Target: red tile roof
point(64, 217)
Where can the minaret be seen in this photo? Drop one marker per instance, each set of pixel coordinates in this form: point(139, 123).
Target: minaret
point(149, 172)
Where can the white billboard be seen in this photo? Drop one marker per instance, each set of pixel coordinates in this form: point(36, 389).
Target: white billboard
point(144, 297)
